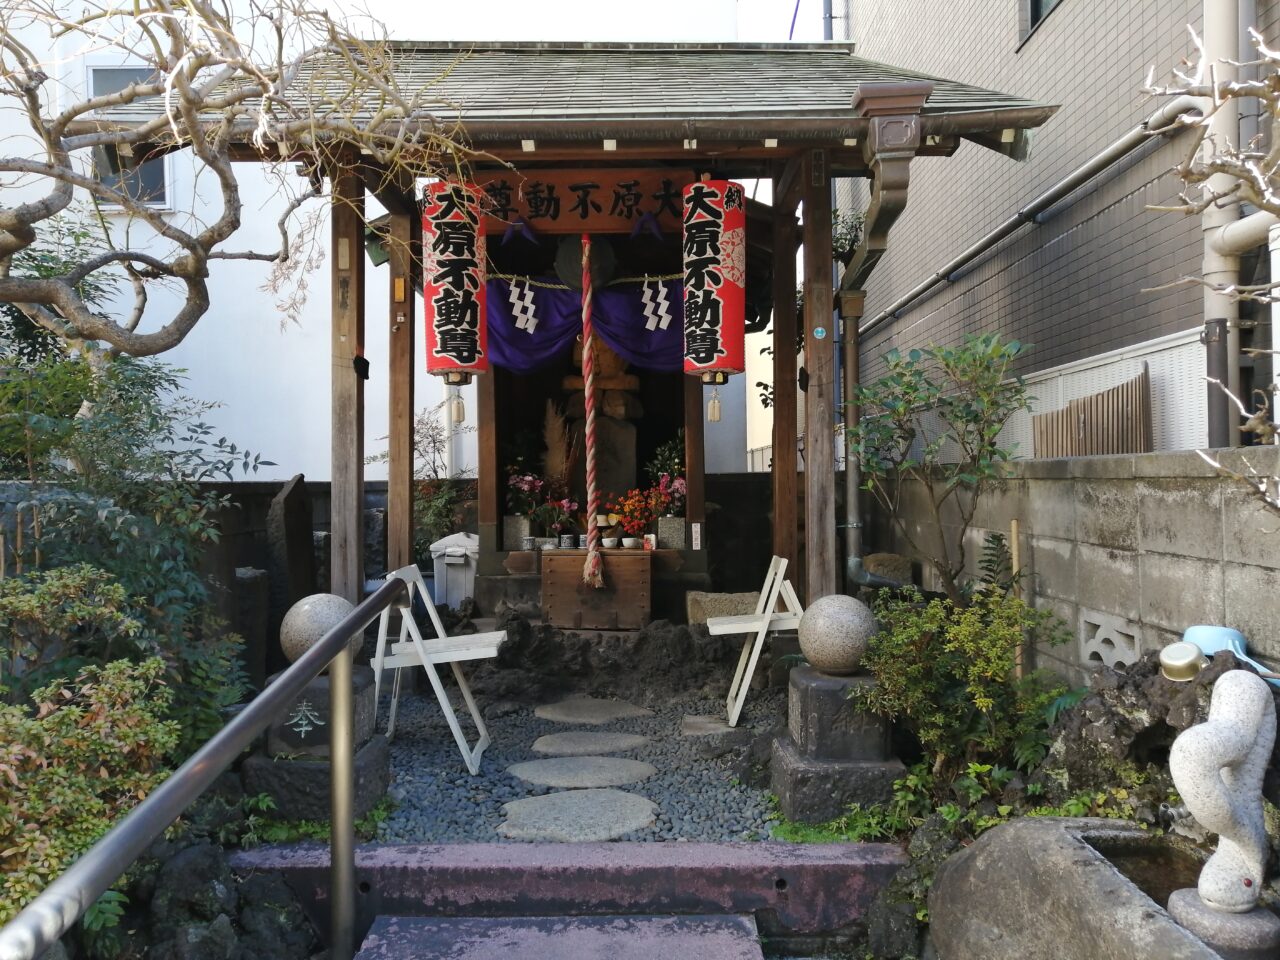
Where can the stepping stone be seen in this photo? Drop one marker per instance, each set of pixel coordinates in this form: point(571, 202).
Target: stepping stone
point(578, 772)
point(557, 938)
point(577, 816)
point(691, 726)
point(583, 743)
point(590, 710)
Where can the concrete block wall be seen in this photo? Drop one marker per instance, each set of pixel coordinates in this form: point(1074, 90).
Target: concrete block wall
point(1129, 550)
point(1080, 283)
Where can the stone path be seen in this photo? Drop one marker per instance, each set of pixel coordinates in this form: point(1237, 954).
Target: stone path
point(583, 811)
point(590, 710)
point(586, 743)
point(577, 816)
point(579, 772)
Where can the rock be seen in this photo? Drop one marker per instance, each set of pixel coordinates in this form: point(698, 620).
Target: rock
point(195, 885)
point(834, 633)
point(578, 772)
point(310, 619)
point(253, 614)
point(1122, 731)
point(815, 791)
point(712, 736)
point(701, 606)
point(215, 940)
point(826, 723)
point(273, 921)
point(589, 710)
point(1037, 888)
point(892, 566)
point(581, 743)
point(577, 816)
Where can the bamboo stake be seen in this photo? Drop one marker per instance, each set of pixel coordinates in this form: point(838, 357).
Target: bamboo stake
point(1015, 566)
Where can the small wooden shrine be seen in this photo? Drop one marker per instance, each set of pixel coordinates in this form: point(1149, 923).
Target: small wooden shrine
point(598, 165)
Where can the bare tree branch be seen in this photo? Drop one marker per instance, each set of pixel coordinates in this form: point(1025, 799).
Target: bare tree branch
point(279, 77)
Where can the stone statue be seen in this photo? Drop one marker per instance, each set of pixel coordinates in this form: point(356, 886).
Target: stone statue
point(1218, 767)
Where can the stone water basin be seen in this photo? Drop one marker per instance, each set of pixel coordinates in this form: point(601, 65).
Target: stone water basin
point(1054, 888)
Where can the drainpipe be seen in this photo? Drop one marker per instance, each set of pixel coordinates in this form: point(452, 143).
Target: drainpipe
point(1220, 266)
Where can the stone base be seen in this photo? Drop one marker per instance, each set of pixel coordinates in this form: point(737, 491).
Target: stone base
point(826, 725)
point(815, 791)
point(300, 788)
point(1234, 936)
point(302, 728)
point(672, 533)
point(514, 530)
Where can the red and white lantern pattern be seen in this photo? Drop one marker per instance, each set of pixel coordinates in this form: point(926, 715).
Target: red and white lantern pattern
point(453, 245)
point(715, 278)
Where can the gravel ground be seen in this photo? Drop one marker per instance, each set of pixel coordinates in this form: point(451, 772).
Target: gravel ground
point(439, 802)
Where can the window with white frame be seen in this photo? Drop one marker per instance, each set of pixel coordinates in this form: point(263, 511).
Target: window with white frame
point(147, 181)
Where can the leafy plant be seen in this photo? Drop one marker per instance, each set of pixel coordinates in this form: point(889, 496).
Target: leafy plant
point(93, 749)
point(947, 674)
point(101, 924)
point(934, 420)
point(667, 459)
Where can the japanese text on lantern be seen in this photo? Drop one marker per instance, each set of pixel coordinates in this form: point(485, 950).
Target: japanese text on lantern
point(715, 261)
point(453, 242)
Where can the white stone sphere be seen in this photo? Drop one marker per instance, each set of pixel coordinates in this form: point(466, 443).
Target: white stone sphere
point(834, 633)
point(310, 619)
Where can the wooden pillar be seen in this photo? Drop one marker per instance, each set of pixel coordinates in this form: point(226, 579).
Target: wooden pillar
point(785, 471)
point(820, 400)
point(347, 430)
point(403, 236)
point(695, 460)
point(488, 510)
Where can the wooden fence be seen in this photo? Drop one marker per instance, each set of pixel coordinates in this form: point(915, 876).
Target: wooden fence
point(1113, 421)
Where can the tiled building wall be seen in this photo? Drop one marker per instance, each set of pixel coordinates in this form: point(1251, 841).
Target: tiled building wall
point(1078, 284)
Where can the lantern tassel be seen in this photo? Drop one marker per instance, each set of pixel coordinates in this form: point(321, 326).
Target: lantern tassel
point(591, 572)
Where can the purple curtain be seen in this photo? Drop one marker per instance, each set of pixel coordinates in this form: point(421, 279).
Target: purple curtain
point(538, 324)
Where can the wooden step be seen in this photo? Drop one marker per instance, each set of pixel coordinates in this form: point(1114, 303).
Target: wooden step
point(563, 938)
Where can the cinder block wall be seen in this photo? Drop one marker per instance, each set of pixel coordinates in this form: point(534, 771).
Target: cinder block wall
point(1130, 550)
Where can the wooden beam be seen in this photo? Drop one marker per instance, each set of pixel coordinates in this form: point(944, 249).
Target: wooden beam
point(347, 347)
point(695, 461)
point(821, 561)
point(403, 237)
point(489, 508)
point(786, 184)
point(785, 470)
point(393, 188)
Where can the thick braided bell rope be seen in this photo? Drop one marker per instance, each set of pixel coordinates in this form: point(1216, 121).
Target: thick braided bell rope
point(1218, 767)
point(591, 571)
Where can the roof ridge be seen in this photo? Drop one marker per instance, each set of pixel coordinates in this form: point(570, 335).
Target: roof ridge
point(833, 46)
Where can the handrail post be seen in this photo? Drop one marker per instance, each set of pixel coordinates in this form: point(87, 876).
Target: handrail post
point(342, 800)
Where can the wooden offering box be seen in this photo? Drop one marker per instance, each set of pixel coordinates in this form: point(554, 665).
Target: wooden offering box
point(622, 604)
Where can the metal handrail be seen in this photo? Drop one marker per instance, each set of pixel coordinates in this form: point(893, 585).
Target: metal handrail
point(43, 921)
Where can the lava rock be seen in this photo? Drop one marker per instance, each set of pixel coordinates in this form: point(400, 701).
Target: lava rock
point(194, 886)
point(273, 921)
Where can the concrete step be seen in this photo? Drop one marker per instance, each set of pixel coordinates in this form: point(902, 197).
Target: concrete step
point(562, 938)
point(801, 889)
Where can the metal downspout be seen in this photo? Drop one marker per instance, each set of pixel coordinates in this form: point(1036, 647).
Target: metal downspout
point(1219, 267)
point(850, 372)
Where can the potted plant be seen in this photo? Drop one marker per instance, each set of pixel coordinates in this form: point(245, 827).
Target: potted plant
point(557, 518)
point(666, 471)
point(636, 510)
point(524, 495)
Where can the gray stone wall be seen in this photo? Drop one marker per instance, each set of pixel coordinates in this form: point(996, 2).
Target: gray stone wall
point(1131, 550)
point(1073, 285)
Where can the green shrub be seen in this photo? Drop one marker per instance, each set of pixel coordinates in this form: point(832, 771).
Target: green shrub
point(947, 674)
point(93, 749)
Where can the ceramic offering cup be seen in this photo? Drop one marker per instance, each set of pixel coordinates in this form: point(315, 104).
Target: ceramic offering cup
point(631, 542)
point(567, 540)
point(609, 542)
point(528, 543)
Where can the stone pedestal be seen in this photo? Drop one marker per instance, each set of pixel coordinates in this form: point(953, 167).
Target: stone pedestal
point(300, 788)
point(1233, 936)
point(671, 533)
point(514, 529)
point(303, 727)
point(833, 754)
point(294, 768)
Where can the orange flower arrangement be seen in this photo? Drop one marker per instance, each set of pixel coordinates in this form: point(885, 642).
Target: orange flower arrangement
point(636, 509)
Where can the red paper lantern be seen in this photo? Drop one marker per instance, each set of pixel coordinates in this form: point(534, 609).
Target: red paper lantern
point(453, 275)
point(715, 279)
